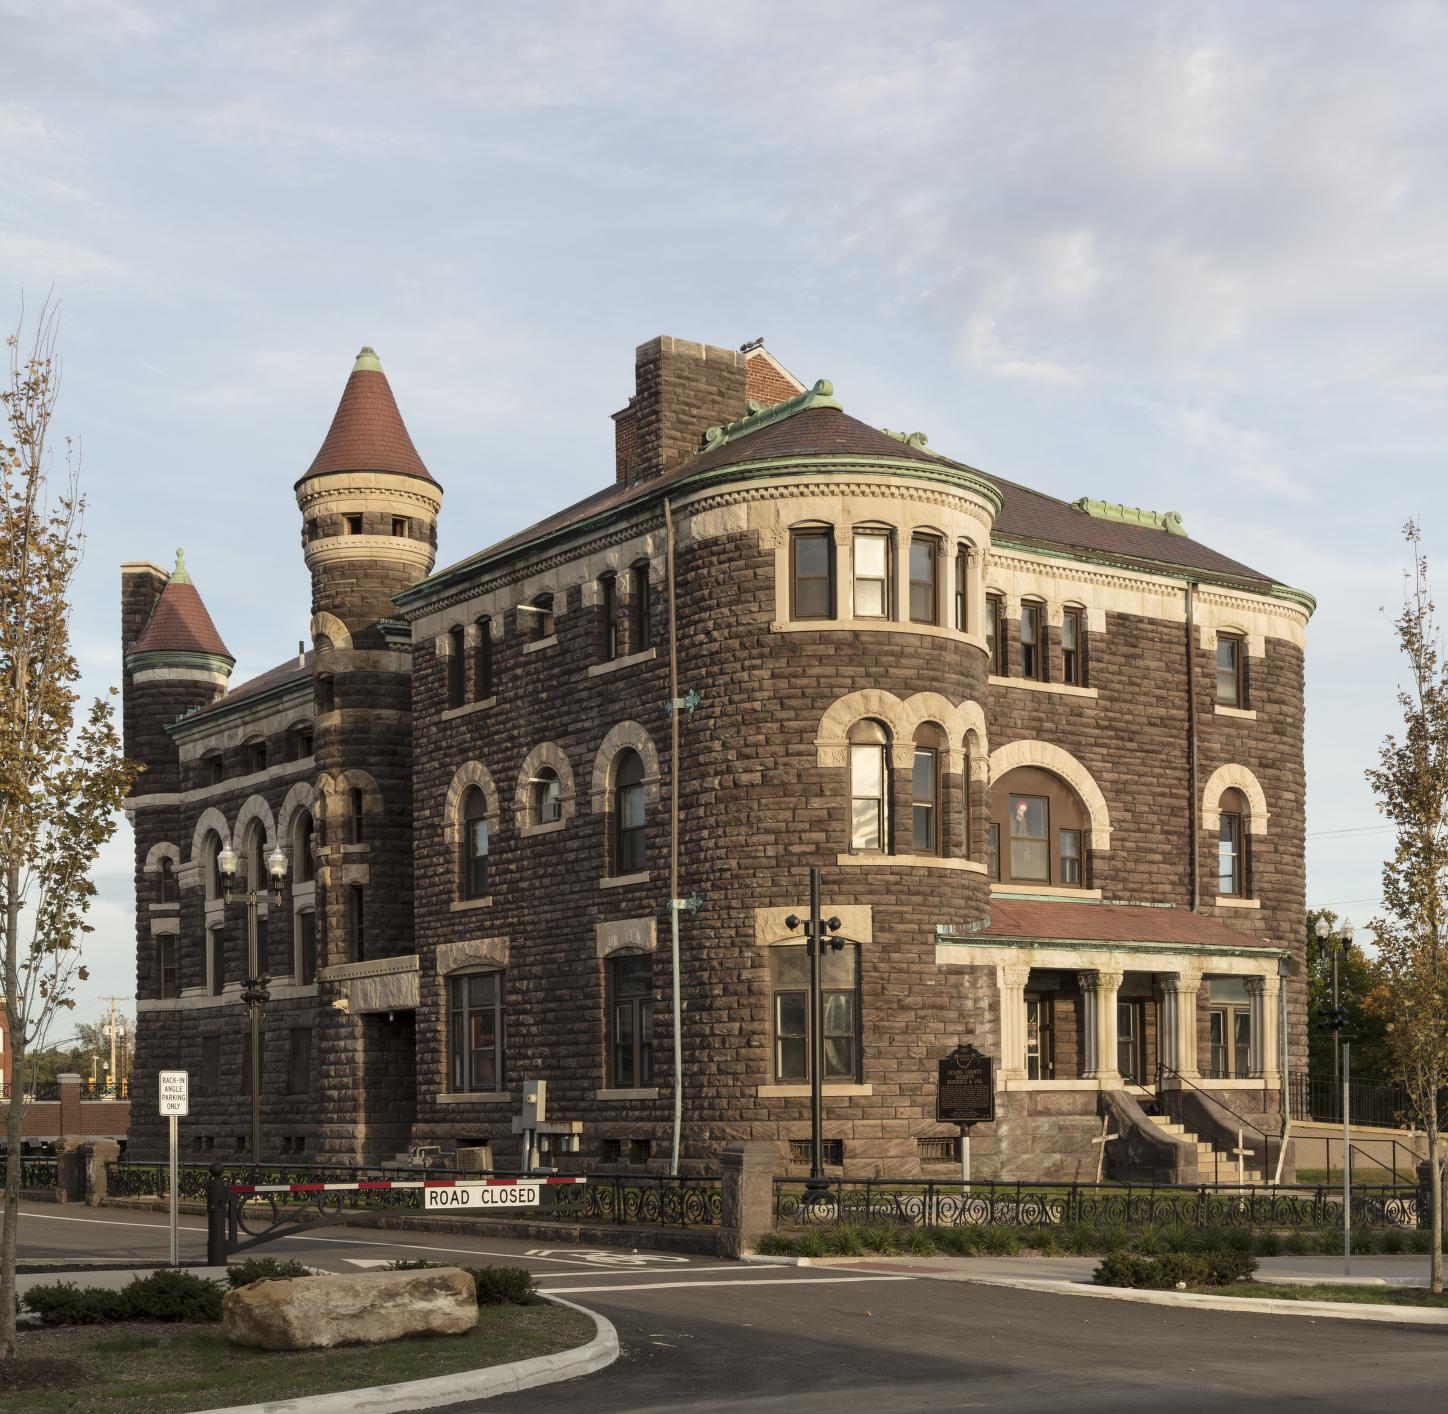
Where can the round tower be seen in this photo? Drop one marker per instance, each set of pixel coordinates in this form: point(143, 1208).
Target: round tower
point(369, 511)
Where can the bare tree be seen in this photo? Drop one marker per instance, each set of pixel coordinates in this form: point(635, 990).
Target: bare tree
point(61, 779)
point(1411, 784)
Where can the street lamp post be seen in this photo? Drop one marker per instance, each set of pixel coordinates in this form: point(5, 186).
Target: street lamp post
point(1337, 944)
point(254, 993)
point(820, 933)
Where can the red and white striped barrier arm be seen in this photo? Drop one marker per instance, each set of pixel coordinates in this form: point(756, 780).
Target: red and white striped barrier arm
point(374, 1185)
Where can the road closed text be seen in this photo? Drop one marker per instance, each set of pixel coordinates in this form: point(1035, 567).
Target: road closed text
point(465, 1197)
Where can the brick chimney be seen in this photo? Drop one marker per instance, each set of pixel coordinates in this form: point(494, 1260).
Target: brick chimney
point(681, 389)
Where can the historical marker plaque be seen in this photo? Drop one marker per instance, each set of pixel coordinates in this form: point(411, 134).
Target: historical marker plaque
point(965, 1092)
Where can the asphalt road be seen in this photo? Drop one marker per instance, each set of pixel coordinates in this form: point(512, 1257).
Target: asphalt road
point(700, 1334)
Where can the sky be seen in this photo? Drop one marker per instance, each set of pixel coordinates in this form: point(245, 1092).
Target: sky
point(1189, 257)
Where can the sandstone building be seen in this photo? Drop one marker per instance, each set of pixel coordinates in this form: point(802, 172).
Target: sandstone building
point(1049, 756)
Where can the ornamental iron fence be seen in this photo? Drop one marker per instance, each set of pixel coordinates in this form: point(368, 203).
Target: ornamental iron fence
point(38, 1171)
point(660, 1200)
point(936, 1203)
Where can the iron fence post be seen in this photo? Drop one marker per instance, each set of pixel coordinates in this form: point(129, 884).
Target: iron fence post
point(216, 1205)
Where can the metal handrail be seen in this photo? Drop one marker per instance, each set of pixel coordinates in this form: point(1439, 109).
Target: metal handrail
point(1162, 1068)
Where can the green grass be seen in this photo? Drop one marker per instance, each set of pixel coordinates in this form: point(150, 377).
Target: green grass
point(158, 1370)
point(1326, 1291)
point(1366, 1175)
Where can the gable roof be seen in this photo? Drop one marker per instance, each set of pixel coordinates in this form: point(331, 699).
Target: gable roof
point(367, 431)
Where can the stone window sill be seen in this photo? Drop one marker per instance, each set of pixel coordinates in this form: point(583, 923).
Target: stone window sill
point(795, 1092)
point(614, 664)
point(638, 1094)
point(1247, 714)
point(465, 905)
point(623, 881)
point(165, 908)
point(548, 828)
point(1231, 901)
point(909, 861)
point(467, 707)
point(355, 848)
point(474, 1097)
point(538, 645)
point(1044, 891)
point(1061, 689)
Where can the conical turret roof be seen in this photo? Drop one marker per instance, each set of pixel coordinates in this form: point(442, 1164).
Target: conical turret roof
point(179, 623)
point(367, 432)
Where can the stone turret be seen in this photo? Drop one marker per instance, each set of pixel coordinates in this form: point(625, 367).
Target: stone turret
point(369, 509)
point(174, 661)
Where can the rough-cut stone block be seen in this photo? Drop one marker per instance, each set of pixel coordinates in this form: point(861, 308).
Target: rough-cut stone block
point(314, 1313)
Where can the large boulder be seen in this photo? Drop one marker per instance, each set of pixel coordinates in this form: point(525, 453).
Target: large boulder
point(309, 1313)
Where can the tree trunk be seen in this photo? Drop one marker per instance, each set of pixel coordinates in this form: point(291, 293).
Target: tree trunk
point(14, 1114)
point(1435, 1199)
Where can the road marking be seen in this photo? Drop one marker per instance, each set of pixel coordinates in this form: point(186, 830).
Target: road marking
point(749, 1281)
point(159, 1228)
point(419, 1247)
point(589, 1254)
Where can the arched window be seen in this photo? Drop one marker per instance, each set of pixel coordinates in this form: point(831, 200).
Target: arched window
point(869, 787)
point(925, 790)
point(967, 789)
point(304, 867)
point(1037, 831)
point(1232, 845)
point(643, 607)
point(166, 882)
point(356, 829)
point(210, 848)
point(483, 660)
point(546, 792)
point(474, 861)
point(457, 666)
point(628, 813)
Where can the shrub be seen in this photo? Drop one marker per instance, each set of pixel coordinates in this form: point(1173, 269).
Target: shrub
point(1173, 1269)
point(845, 1240)
point(811, 1243)
point(163, 1295)
point(1224, 1268)
point(1420, 1242)
point(1393, 1241)
point(504, 1286)
point(776, 1244)
point(882, 1238)
point(409, 1264)
point(265, 1269)
point(66, 1304)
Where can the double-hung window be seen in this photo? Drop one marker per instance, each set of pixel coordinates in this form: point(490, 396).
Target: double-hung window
point(1229, 855)
point(1033, 641)
point(547, 796)
point(995, 646)
point(457, 666)
point(1072, 638)
point(962, 588)
point(812, 580)
point(789, 969)
point(483, 660)
point(872, 574)
point(628, 813)
point(1230, 686)
point(1070, 860)
point(924, 800)
point(166, 966)
point(869, 788)
point(643, 607)
point(608, 607)
point(474, 845)
point(167, 889)
point(475, 1032)
point(1030, 836)
point(924, 600)
point(630, 984)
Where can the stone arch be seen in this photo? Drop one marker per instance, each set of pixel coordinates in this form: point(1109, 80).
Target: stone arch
point(550, 754)
point(299, 798)
point(332, 794)
point(330, 627)
point(470, 773)
point(210, 819)
point(625, 734)
point(1049, 757)
point(1234, 777)
point(158, 852)
point(255, 808)
point(832, 740)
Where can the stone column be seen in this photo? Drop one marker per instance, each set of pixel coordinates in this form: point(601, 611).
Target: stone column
point(1012, 983)
point(1100, 989)
point(746, 1192)
point(1264, 993)
point(1178, 1047)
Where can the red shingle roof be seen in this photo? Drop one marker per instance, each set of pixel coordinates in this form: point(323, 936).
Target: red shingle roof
point(1066, 921)
point(367, 432)
point(180, 624)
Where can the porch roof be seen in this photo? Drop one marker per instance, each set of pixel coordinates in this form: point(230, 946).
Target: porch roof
point(1063, 920)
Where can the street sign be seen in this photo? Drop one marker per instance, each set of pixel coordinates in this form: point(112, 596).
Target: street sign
point(173, 1090)
point(475, 1197)
point(965, 1088)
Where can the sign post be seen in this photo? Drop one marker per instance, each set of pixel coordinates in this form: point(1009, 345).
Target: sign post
point(173, 1092)
point(965, 1095)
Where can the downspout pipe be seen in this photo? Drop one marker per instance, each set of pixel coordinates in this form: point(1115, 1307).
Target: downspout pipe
point(675, 902)
point(1193, 812)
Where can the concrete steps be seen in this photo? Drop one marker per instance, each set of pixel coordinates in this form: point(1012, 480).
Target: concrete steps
point(1208, 1165)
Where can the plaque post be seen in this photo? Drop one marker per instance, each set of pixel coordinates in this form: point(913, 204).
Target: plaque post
point(965, 1159)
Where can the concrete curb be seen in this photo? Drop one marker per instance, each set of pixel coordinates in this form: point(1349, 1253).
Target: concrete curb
point(1254, 1305)
point(442, 1390)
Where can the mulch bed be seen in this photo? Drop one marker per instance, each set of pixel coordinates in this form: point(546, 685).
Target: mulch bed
point(41, 1372)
